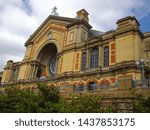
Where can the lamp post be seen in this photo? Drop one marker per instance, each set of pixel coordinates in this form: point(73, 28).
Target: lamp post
point(142, 64)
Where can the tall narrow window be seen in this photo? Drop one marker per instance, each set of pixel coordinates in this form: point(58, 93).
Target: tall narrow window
point(106, 56)
point(83, 62)
point(94, 58)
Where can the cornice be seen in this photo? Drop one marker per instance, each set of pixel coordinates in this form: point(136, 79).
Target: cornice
point(79, 22)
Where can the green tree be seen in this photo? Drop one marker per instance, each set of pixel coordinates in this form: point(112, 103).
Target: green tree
point(81, 104)
point(49, 98)
point(17, 100)
point(141, 104)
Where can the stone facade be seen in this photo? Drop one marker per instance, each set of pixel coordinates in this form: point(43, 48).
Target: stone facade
point(67, 52)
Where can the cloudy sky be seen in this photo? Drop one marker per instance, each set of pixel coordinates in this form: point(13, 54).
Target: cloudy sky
point(20, 18)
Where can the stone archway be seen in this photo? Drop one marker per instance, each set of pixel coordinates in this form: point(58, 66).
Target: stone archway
point(105, 83)
point(47, 61)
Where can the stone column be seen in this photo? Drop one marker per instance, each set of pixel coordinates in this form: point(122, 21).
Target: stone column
point(11, 74)
point(16, 74)
point(100, 57)
point(87, 59)
point(31, 71)
point(35, 71)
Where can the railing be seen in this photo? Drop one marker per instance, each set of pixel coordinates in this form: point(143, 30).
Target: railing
point(141, 83)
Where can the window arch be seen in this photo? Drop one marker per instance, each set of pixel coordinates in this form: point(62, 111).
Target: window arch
point(83, 62)
point(52, 65)
point(79, 88)
point(105, 83)
point(106, 56)
point(94, 57)
point(92, 86)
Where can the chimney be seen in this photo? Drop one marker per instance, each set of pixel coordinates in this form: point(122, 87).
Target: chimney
point(83, 14)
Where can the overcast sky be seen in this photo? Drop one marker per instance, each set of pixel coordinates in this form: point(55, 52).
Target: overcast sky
point(20, 18)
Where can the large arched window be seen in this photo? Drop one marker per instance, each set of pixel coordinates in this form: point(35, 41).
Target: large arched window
point(94, 58)
point(106, 56)
point(83, 62)
point(52, 65)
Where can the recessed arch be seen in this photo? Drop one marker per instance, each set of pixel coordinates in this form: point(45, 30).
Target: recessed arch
point(105, 83)
point(44, 44)
point(47, 58)
point(91, 80)
point(78, 87)
point(92, 84)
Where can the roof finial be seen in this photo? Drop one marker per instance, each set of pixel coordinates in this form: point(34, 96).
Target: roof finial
point(54, 11)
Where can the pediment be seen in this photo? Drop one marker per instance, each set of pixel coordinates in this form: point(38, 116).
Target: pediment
point(52, 22)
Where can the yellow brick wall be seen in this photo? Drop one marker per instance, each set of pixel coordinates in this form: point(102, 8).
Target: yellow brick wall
point(77, 61)
point(68, 62)
point(138, 51)
point(22, 71)
point(124, 49)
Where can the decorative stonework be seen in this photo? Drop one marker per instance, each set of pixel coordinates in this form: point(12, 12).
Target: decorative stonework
point(71, 36)
point(125, 81)
point(104, 83)
point(51, 26)
point(113, 80)
point(77, 61)
point(32, 51)
point(113, 56)
point(65, 39)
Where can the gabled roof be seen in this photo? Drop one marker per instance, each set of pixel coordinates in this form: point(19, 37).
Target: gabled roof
point(50, 17)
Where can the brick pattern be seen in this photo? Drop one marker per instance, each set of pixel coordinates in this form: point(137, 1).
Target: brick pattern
point(77, 62)
point(113, 56)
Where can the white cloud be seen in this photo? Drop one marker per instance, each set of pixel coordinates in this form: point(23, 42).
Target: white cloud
point(20, 18)
point(7, 41)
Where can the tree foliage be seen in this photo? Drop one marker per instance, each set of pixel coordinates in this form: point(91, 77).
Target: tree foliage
point(16, 100)
point(85, 103)
point(47, 100)
point(142, 104)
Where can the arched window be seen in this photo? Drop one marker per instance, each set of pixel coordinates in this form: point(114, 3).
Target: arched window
point(94, 58)
point(78, 88)
point(106, 56)
point(92, 86)
point(83, 62)
point(52, 65)
point(105, 84)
